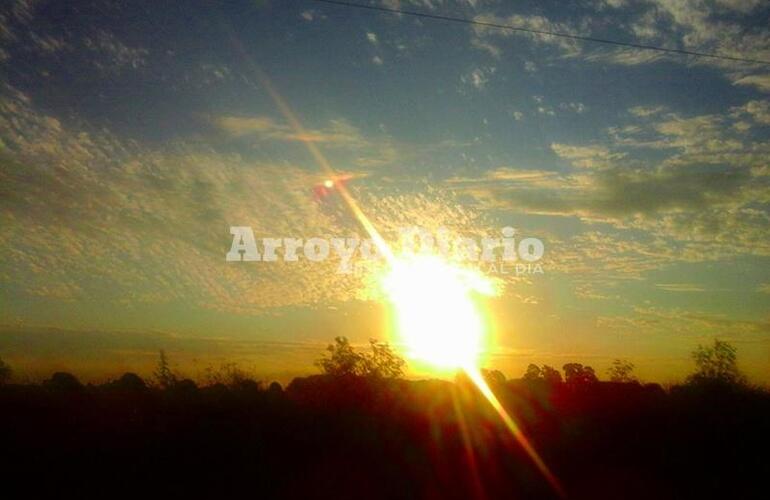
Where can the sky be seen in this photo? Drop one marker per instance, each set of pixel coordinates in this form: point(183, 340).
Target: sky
point(133, 135)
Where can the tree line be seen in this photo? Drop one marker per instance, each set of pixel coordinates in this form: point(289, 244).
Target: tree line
point(714, 364)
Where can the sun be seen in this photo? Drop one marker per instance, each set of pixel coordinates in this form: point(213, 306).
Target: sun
point(438, 319)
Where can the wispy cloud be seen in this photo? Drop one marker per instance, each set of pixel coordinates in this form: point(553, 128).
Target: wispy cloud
point(594, 156)
point(680, 287)
point(761, 82)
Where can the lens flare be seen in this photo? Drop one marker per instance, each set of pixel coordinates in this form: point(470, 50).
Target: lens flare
point(438, 318)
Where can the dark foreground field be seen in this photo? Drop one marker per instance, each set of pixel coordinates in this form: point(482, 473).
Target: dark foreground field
point(352, 437)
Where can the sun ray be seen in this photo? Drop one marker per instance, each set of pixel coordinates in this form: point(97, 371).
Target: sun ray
point(470, 455)
point(514, 429)
point(419, 306)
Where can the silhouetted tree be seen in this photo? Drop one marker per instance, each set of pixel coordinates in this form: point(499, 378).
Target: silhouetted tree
point(533, 373)
point(551, 375)
point(716, 363)
point(129, 382)
point(493, 378)
point(343, 359)
point(621, 371)
point(63, 381)
point(547, 374)
point(184, 386)
point(5, 372)
point(577, 374)
point(232, 376)
point(164, 377)
point(382, 362)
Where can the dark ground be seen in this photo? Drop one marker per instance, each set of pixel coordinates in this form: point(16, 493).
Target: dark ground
point(351, 437)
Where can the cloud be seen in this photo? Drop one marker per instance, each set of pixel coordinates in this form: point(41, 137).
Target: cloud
point(617, 194)
point(761, 82)
point(615, 4)
point(714, 138)
point(703, 134)
point(486, 46)
point(23, 33)
point(338, 132)
point(576, 107)
point(530, 67)
point(566, 46)
point(742, 6)
point(594, 156)
point(645, 111)
point(434, 4)
point(625, 56)
point(372, 38)
point(115, 54)
point(624, 192)
point(85, 215)
point(680, 287)
point(682, 322)
point(338, 136)
point(311, 15)
point(478, 77)
point(759, 111)
point(721, 27)
point(520, 178)
point(260, 125)
point(48, 44)
point(705, 197)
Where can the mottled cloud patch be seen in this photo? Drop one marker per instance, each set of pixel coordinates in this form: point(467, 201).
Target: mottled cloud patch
point(487, 35)
point(114, 54)
point(645, 111)
point(87, 215)
point(594, 156)
point(705, 198)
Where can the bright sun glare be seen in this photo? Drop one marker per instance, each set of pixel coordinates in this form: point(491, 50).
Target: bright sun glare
point(438, 320)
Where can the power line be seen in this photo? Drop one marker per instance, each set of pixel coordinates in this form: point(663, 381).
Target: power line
point(508, 27)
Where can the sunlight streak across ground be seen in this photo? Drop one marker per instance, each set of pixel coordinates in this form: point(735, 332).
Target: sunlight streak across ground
point(478, 380)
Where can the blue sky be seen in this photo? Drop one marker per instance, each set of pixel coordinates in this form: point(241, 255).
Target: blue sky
point(134, 135)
